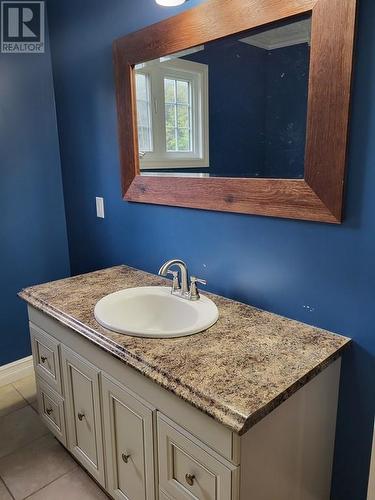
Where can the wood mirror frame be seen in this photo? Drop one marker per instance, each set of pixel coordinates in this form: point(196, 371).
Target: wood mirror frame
point(317, 197)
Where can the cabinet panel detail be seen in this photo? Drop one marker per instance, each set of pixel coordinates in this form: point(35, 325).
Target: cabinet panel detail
point(46, 357)
point(51, 410)
point(82, 391)
point(187, 471)
point(128, 430)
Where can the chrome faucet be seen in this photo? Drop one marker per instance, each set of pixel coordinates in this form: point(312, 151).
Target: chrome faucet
point(180, 286)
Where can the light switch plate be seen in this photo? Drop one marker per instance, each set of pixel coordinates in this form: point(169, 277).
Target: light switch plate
point(100, 207)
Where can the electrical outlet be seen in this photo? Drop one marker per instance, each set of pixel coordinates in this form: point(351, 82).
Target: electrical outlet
point(100, 208)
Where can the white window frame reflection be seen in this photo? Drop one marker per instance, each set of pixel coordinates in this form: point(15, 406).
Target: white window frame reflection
point(148, 124)
point(175, 104)
point(196, 75)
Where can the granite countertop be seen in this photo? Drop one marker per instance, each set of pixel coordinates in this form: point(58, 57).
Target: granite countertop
point(237, 371)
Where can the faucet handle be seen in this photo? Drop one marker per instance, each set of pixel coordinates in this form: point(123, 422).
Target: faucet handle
point(193, 280)
point(194, 293)
point(176, 282)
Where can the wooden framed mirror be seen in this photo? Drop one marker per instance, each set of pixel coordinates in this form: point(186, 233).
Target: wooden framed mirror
point(192, 135)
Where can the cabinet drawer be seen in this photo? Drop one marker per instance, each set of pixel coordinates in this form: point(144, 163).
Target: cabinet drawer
point(46, 357)
point(129, 450)
point(51, 410)
point(188, 470)
point(82, 399)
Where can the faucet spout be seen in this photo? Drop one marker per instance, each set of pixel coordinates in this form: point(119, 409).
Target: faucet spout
point(163, 271)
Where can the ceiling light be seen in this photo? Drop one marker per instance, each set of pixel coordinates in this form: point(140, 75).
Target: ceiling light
point(170, 3)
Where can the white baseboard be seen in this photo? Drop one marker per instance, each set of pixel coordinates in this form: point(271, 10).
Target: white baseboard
point(16, 370)
point(371, 484)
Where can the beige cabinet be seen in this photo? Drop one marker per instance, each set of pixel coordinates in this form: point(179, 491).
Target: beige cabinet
point(141, 442)
point(82, 397)
point(129, 446)
point(163, 496)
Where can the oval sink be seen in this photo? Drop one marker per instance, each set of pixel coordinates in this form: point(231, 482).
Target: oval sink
point(153, 312)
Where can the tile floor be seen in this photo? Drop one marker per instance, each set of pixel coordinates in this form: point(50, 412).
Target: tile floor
point(33, 464)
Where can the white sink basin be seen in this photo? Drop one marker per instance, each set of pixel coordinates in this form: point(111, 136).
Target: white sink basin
point(153, 312)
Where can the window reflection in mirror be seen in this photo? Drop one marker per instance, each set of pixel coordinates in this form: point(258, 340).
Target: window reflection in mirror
point(235, 107)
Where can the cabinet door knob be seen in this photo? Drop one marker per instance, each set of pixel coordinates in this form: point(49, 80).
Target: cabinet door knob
point(49, 411)
point(125, 458)
point(81, 416)
point(43, 359)
point(190, 479)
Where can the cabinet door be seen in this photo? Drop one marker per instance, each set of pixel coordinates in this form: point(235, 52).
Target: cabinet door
point(81, 382)
point(129, 450)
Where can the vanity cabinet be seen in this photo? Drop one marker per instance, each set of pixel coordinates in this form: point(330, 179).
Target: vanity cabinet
point(141, 442)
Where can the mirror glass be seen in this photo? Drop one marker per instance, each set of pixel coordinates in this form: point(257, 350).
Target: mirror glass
point(235, 107)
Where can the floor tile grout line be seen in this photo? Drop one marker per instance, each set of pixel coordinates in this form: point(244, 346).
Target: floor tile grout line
point(6, 487)
point(75, 466)
point(20, 393)
point(25, 445)
point(28, 403)
point(35, 409)
point(51, 482)
point(16, 409)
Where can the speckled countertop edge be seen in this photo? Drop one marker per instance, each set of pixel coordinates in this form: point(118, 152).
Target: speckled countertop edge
point(237, 420)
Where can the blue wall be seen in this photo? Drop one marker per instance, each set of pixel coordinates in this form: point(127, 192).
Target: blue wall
point(258, 109)
point(286, 111)
point(33, 236)
point(237, 107)
point(317, 273)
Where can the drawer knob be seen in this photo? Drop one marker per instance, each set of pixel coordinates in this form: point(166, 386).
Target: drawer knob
point(49, 411)
point(81, 416)
point(190, 479)
point(125, 458)
point(43, 359)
